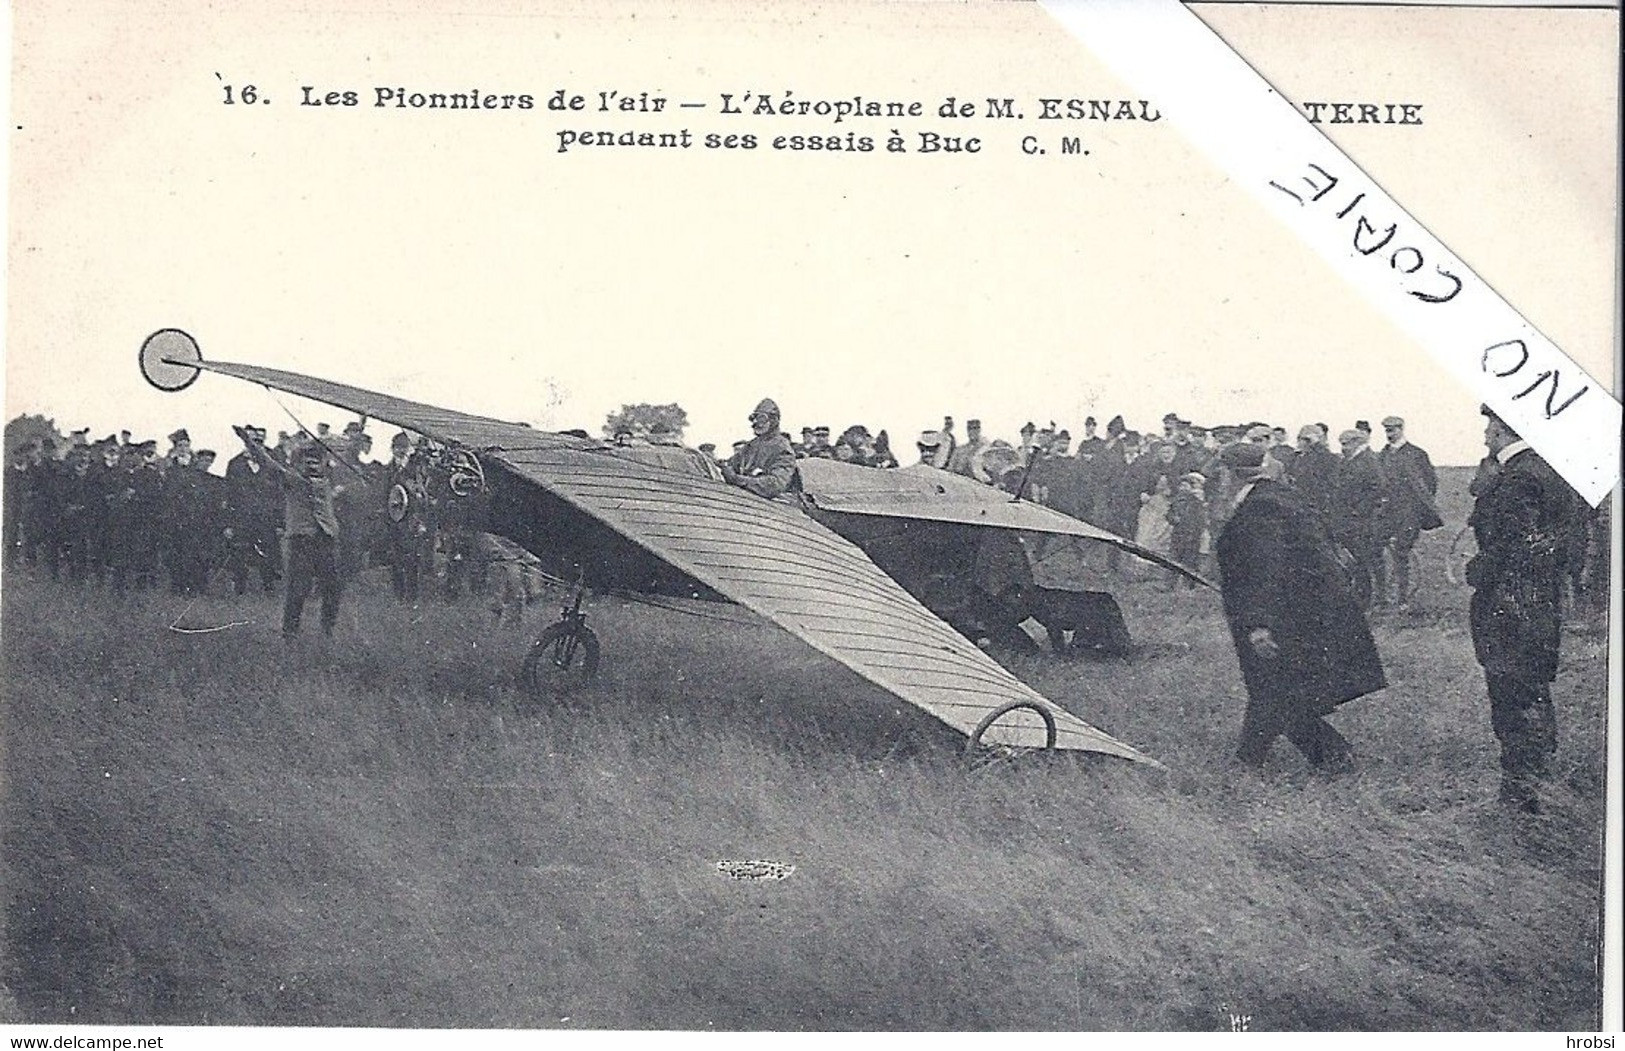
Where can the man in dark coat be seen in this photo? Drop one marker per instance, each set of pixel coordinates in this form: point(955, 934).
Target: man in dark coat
point(1303, 643)
point(1519, 518)
point(1056, 480)
point(1117, 497)
point(1410, 511)
point(1312, 473)
point(120, 536)
point(135, 522)
point(84, 520)
point(411, 520)
point(1357, 511)
point(1090, 448)
point(254, 511)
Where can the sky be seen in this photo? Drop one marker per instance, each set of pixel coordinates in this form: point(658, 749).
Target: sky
point(459, 258)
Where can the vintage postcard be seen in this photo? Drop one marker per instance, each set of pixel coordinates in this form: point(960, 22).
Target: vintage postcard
point(801, 517)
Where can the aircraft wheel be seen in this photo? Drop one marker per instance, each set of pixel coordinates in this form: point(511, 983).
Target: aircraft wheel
point(562, 661)
point(974, 749)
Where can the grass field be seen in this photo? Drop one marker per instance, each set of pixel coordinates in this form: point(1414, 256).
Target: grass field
point(213, 828)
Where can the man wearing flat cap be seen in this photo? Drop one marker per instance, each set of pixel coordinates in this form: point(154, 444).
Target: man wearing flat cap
point(1412, 486)
point(1519, 519)
point(765, 465)
point(1300, 637)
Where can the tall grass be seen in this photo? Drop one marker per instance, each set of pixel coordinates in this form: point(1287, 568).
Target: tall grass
point(216, 828)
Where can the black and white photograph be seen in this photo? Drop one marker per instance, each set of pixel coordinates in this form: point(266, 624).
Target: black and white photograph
point(794, 517)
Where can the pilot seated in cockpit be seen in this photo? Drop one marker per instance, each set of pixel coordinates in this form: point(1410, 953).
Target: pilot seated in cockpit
point(765, 465)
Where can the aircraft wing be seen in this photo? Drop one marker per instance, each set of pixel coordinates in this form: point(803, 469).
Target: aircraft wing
point(444, 425)
point(935, 495)
point(769, 557)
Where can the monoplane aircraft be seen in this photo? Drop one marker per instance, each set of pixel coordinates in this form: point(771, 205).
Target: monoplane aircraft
point(599, 516)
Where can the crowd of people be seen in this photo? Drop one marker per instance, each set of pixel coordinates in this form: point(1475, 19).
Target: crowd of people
point(120, 512)
point(1172, 491)
point(312, 509)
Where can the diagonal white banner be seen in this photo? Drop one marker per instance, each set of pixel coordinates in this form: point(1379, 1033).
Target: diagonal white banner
point(1227, 110)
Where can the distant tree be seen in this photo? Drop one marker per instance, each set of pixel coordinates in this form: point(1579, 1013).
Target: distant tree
point(24, 429)
point(641, 419)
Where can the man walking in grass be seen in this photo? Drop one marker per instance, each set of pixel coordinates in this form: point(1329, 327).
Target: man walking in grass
point(1301, 638)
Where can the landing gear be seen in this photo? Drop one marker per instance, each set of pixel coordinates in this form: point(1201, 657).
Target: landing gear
point(979, 755)
point(565, 658)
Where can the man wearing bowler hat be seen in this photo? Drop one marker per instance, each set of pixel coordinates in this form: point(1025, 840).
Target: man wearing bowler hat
point(1300, 636)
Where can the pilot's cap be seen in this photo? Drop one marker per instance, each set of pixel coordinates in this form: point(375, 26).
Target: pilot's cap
point(766, 407)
